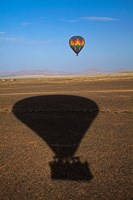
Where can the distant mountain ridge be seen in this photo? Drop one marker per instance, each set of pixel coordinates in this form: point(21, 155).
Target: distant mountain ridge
point(47, 72)
point(44, 72)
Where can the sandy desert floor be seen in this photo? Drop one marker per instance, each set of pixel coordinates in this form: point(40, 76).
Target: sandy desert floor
point(89, 117)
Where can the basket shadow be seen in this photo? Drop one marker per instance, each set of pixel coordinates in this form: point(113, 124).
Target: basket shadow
point(62, 121)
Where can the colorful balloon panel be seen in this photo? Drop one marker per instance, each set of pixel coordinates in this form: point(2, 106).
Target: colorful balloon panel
point(76, 43)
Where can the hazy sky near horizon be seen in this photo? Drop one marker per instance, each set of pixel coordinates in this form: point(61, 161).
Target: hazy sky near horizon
point(34, 34)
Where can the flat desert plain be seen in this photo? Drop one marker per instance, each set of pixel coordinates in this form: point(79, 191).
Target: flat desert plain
point(66, 138)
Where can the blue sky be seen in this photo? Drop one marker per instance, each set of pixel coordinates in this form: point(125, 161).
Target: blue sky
point(34, 34)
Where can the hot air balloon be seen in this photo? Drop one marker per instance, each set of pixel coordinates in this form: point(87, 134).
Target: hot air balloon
point(76, 43)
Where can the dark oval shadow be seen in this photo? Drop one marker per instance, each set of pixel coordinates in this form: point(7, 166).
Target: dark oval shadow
point(62, 121)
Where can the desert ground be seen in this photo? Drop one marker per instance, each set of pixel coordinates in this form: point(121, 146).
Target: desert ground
point(66, 138)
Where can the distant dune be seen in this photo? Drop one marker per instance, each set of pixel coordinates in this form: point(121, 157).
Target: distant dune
point(47, 72)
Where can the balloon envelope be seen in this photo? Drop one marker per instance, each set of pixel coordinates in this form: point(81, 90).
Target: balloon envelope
point(76, 43)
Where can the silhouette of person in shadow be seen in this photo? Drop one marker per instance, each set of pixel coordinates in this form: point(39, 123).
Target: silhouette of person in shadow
point(61, 120)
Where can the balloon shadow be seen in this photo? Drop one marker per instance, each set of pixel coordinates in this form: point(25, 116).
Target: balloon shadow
point(62, 121)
